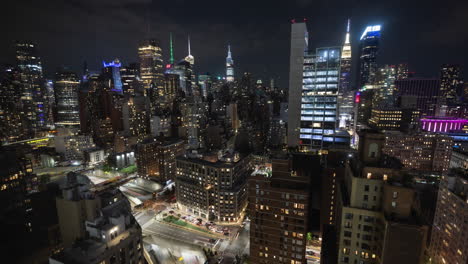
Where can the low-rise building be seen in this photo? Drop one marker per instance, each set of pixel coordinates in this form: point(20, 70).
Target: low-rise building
point(96, 224)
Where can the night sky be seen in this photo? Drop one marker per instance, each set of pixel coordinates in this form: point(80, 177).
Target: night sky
point(424, 34)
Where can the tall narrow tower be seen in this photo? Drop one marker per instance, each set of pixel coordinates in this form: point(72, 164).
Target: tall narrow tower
point(33, 98)
point(171, 45)
point(345, 69)
point(370, 41)
point(229, 66)
point(299, 44)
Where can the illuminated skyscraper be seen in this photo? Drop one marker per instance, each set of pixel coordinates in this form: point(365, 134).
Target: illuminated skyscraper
point(370, 39)
point(345, 74)
point(299, 44)
point(151, 69)
point(34, 94)
point(229, 66)
point(66, 99)
point(116, 79)
point(319, 100)
point(450, 83)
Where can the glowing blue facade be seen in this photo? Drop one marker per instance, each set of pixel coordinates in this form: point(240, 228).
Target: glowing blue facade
point(319, 99)
point(115, 65)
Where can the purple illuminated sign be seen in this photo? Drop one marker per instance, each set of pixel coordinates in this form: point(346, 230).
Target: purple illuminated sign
point(111, 64)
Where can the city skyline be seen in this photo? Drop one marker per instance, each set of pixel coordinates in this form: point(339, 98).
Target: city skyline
point(253, 39)
point(267, 132)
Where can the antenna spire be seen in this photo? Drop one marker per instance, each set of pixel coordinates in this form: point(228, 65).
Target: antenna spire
point(349, 24)
point(171, 59)
point(189, 45)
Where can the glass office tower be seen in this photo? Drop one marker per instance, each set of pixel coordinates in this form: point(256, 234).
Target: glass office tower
point(319, 100)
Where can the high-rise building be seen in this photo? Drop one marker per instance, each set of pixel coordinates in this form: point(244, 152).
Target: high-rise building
point(131, 82)
point(450, 83)
point(204, 81)
point(279, 209)
point(34, 94)
point(385, 86)
point(229, 66)
point(96, 224)
point(218, 192)
point(319, 100)
point(299, 44)
point(402, 71)
point(157, 159)
point(369, 47)
point(135, 117)
point(66, 99)
point(424, 91)
point(151, 70)
point(16, 182)
point(420, 151)
point(13, 121)
point(345, 67)
point(116, 79)
point(449, 240)
point(394, 119)
point(377, 221)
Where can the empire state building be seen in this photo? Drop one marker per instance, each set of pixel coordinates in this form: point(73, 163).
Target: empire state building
point(345, 71)
point(229, 66)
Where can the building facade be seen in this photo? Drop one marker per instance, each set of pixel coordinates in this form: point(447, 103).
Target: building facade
point(157, 159)
point(151, 70)
point(319, 100)
point(278, 206)
point(66, 99)
point(424, 91)
point(420, 151)
point(299, 44)
point(449, 242)
point(213, 187)
point(96, 224)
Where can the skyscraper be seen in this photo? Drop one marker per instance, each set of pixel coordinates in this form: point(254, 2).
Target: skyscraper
point(345, 71)
point(450, 83)
point(370, 39)
point(229, 66)
point(319, 99)
point(66, 99)
point(34, 94)
point(449, 240)
point(151, 69)
point(299, 44)
point(116, 78)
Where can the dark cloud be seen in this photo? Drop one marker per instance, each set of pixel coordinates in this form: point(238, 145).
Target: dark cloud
point(423, 33)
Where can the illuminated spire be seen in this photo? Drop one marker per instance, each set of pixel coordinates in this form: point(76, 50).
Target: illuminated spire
point(171, 59)
point(229, 51)
point(347, 31)
point(189, 46)
point(346, 51)
point(189, 57)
